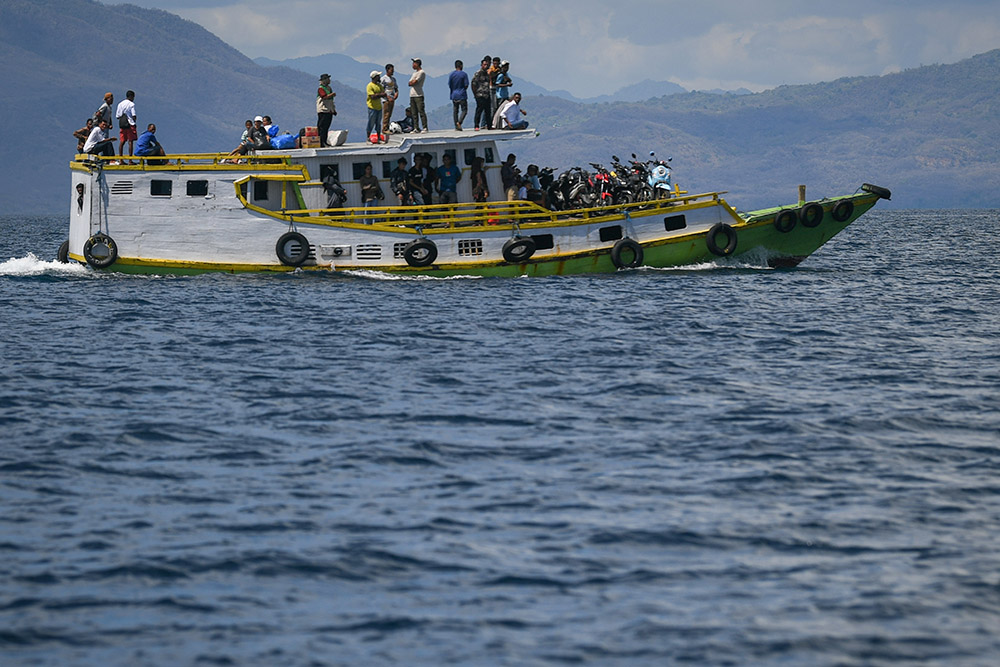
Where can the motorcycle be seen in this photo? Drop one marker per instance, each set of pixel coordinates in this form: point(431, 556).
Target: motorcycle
point(603, 185)
point(659, 177)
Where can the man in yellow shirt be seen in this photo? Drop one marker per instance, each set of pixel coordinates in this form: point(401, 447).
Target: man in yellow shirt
point(375, 94)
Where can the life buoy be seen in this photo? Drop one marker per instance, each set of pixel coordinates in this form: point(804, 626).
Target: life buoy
point(420, 252)
point(62, 256)
point(626, 245)
point(518, 249)
point(843, 210)
point(100, 251)
point(292, 249)
point(785, 221)
point(811, 214)
point(713, 244)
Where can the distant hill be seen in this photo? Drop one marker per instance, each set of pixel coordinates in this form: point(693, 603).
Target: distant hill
point(931, 134)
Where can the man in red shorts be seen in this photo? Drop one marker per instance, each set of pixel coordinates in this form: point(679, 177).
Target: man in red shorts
point(126, 123)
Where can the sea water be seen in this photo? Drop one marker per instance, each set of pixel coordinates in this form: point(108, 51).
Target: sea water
point(719, 464)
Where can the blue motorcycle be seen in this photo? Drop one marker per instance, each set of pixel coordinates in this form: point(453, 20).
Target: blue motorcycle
point(659, 177)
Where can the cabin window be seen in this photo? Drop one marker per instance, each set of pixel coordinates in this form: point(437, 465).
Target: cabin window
point(488, 154)
point(159, 188)
point(450, 152)
point(470, 156)
point(358, 169)
point(387, 167)
point(674, 222)
point(543, 241)
point(612, 233)
point(197, 188)
point(243, 190)
point(260, 190)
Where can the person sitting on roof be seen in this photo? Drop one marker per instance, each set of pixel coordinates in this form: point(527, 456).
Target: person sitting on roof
point(511, 115)
point(99, 141)
point(406, 125)
point(147, 146)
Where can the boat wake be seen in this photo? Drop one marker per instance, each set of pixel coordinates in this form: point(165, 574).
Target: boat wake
point(379, 275)
point(29, 265)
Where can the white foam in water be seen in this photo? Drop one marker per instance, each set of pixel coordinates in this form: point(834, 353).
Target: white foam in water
point(380, 275)
point(30, 265)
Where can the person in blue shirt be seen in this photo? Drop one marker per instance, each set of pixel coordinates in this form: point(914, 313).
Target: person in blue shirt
point(458, 83)
point(448, 177)
point(147, 146)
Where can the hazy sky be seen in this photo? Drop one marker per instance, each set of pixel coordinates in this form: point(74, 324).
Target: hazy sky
point(591, 47)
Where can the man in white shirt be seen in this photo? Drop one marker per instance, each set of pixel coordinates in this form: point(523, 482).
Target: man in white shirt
point(388, 83)
point(512, 115)
point(417, 96)
point(99, 141)
point(126, 123)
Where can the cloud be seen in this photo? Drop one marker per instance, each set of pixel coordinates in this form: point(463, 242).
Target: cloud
point(592, 47)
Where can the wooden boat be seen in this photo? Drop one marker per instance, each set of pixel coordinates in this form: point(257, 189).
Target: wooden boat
point(265, 212)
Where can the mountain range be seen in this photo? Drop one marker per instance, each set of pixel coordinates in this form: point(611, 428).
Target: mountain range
point(931, 134)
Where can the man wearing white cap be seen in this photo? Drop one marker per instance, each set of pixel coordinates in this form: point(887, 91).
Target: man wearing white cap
point(417, 96)
point(375, 94)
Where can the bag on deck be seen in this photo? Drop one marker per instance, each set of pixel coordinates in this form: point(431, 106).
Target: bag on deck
point(283, 141)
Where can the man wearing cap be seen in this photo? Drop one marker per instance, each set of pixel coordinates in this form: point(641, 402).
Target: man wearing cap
point(374, 93)
point(388, 82)
point(325, 107)
point(104, 112)
point(417, 96)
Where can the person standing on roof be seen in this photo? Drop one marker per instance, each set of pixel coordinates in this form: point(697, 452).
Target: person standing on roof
point(388, 82)
point(417, 96)
point(374, 94)
point(481, 91)
point(126, 124)
point(325, 108)
point(104, 112)
point(458, 83)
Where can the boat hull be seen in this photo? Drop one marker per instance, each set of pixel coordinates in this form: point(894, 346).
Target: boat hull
point(242, 218)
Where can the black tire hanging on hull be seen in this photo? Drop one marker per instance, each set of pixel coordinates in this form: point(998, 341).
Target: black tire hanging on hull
point(626, 245)
point(843, 210)
point(785, 221)
point(62, 256)
point(292, 249)
point(711, 240)
point(811, 215)
point(518, 249)
point(420, 252)
point(100, 251)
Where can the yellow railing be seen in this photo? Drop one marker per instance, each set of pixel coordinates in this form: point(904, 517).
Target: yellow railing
point(200, 161)
point(486, 214)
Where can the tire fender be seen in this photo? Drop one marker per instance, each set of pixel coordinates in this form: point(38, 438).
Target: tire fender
point(626, 245)
point(711, 239)
point(518, 249)
point(286, 251)
point(811, 215)
point(420, 252)
point(107, 251)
